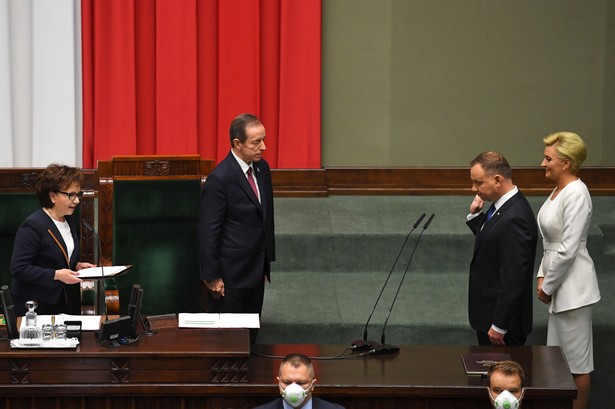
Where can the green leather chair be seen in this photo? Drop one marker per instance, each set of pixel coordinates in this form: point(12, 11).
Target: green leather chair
point(14, 208)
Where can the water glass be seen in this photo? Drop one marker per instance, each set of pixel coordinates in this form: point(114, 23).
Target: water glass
point(47, 332)
point(60, 331)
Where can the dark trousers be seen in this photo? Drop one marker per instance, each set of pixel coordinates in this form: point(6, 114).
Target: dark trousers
point(240, 301)
point(509, 339)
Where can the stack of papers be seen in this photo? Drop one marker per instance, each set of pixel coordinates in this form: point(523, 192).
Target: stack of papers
point(224, 320)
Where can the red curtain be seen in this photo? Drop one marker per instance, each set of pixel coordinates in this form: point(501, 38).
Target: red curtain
point(168, 76)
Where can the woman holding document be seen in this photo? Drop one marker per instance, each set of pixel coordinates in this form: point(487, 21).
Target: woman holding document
point(44, 265)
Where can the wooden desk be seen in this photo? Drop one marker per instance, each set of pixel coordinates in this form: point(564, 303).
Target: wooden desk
point(172, 356)
point(211, 369)
point(424, 376)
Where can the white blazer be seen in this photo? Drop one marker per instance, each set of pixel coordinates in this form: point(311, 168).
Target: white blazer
point(568, 270)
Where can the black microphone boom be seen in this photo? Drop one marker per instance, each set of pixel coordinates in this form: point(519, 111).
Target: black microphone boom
point(428, 222)
point(102, 270)
point(385, 348)
point(364, 344)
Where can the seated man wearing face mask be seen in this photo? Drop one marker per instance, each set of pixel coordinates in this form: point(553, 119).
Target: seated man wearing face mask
point(506, 385)
point(296, 382)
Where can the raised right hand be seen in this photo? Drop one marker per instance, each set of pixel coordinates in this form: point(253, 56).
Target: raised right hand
point(476, 205)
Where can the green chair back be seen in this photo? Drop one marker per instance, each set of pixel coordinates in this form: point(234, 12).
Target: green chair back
point(155, 230)
point(14, 208)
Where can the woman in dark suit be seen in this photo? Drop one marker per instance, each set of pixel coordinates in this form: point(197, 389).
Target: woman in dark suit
point(44, 262)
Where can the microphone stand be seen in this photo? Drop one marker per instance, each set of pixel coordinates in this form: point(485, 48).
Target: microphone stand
point(383, 348)
point(102, 269)
point(364, 344)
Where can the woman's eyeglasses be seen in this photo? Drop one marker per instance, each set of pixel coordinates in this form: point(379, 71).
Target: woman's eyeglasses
point(72, 195)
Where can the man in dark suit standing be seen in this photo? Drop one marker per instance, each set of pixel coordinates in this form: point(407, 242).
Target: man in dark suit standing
point(296, 382)
point(501, 272)
point(236, 227)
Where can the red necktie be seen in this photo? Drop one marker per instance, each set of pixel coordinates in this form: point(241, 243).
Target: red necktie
point(253, 183)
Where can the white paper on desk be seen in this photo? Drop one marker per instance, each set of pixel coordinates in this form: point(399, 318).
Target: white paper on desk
point(223, 320)
point(88, 322)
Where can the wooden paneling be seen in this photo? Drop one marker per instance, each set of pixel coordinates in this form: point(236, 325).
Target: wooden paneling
point(311, 182)
point(418, 181)
point(299, 183)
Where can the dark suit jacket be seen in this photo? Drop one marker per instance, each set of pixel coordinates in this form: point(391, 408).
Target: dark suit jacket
point(502, 268)
point(38, 251)
point(236, 232)
point(317, 403)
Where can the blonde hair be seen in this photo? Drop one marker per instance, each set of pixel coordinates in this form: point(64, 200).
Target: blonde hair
point(569, 146)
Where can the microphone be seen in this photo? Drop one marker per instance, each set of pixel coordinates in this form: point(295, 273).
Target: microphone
point(9, 313)
point(383, 348)
point(102, 270)
point(364, 344)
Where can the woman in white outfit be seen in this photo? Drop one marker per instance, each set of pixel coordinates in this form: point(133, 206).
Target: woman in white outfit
point(567, 278)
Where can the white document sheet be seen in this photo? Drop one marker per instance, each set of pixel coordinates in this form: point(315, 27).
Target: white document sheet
point(101, 272)
point(224, 320)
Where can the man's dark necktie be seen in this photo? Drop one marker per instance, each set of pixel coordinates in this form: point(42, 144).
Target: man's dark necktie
point(253, 183)
point(490, 211)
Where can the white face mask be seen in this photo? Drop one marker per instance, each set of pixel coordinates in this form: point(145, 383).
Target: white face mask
point(505, 400)
point(294, 394)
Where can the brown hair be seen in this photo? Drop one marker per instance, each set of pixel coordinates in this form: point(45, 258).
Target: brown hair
point(493, 163)
point(508, 368)
point(55, 178)
point(239, 126)
point(296, 360)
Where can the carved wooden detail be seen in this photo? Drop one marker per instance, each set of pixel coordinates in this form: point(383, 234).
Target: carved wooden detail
point(19, 371)
point(157, 168)
point(28, 180)
point(229, 371)
point(120, 370)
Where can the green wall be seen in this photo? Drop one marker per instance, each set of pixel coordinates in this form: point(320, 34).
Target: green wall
point(434, 82)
